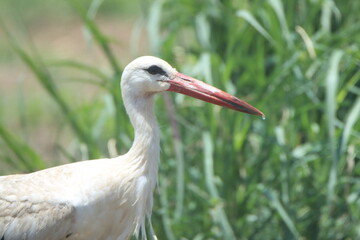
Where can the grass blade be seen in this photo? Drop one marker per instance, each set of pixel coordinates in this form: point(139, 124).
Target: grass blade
point(219, 213)
point(351, 119)
point(103, 42)
point(307, 41)
point(165, 216)
point(203, 30)
point(179, 154)
point(326, 15)
point(80, 66)
point(247, 16)
point(153, 26)
point(28, 158)
point(279, 10)
point(274, 201)
point(331, 81)
point(98, 36)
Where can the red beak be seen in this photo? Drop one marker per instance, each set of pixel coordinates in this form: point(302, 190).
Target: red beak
point(189, 86)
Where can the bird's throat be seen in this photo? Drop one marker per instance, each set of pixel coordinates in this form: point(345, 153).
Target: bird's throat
point(146, 146)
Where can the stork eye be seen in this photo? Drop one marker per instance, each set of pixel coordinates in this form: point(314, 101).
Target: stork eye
point(153, 70)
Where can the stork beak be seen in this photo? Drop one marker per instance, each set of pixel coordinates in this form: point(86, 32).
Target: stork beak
point(197, 89)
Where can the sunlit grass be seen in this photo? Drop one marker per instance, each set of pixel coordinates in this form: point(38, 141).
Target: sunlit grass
point(226, 175)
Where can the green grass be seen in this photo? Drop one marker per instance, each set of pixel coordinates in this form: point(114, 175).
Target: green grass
point(223, 174)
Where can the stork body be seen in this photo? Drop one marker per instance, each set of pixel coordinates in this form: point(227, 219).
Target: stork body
point(103, 199)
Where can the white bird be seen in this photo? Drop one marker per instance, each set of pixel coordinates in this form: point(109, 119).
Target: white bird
point(106, 198)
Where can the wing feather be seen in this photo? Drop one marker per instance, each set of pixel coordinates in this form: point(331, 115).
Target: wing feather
point(27, 214)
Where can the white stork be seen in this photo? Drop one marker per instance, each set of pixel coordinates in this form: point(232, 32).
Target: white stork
point(109, 198)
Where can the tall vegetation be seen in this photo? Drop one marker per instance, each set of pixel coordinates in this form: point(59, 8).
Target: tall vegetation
point(226, 175)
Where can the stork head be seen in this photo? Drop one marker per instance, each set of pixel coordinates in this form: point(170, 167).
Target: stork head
point(147, 75)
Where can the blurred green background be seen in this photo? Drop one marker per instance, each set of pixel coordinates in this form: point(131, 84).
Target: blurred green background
point(223, 174)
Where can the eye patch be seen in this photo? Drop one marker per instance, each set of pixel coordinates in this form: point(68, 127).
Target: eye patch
point(153, 70)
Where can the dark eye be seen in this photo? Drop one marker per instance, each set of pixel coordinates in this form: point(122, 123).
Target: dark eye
point(153, 70)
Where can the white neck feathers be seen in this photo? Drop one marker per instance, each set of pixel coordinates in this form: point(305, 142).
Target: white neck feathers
point(145, 150)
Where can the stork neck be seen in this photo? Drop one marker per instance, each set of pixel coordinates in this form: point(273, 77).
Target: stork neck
point(146, 146)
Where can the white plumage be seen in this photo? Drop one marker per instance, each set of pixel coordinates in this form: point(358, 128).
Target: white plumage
point(103, 199)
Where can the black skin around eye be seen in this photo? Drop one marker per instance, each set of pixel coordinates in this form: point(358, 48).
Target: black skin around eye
point(153, 70)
